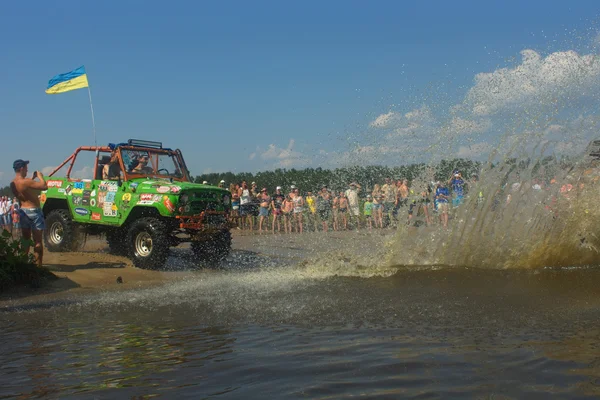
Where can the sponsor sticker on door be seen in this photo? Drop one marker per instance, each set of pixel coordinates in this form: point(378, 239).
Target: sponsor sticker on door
point(55, 184)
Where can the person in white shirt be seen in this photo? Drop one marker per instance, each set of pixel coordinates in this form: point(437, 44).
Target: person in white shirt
point(353, 207)
point(5, 214)
point(245, 206)
point(8, 214)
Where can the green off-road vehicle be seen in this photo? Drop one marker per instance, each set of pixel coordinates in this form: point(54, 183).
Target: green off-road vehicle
point(142, 199)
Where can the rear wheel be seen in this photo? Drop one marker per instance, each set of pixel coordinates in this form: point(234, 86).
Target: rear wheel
point(148, 243)
point(61, 233)
point(213, 249)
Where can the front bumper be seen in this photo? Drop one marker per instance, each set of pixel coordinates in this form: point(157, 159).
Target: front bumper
point(206, 220)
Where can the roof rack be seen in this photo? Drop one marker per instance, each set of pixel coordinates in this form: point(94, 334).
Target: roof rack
point(144, 143)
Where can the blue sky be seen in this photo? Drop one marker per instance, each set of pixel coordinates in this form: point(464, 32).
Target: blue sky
point(248, 86)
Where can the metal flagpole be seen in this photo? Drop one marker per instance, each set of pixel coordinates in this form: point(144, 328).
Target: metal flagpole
point(93, 121)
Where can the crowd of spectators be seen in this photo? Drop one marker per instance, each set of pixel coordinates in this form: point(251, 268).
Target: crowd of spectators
point(9, 215)
point(288, 210)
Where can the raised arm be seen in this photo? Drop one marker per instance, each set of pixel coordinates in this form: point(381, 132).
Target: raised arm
point(41, 185)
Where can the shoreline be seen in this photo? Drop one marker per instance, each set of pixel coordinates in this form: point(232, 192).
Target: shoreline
point(317, 254)
point(94, 270)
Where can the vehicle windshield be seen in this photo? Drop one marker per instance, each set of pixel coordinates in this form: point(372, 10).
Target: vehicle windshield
point(149, 163)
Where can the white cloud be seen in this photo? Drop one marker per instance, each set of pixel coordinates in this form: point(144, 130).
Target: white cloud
point(84, 173)
point(47, 170)
point(462, 126)
point(418, 122)
point(422, 115)
point(252, 156)
point(421, 123)
point(534, 82)
point(287, 157)
point(392, 120)
point(385, 120)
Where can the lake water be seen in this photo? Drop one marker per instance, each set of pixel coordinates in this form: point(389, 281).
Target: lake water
point(286, 332)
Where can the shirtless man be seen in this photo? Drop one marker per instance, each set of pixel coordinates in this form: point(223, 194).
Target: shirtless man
point(31, 215)
point(343, 211)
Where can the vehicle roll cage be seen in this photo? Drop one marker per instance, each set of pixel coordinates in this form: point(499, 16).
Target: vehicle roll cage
point(185, 177)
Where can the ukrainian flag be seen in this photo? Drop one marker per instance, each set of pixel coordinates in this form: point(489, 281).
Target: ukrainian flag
point(76, 79)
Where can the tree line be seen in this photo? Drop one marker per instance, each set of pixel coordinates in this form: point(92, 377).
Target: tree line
point(336, 179)
point(312, 179)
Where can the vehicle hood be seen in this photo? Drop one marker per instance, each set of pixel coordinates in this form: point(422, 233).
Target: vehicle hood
point(167, 187)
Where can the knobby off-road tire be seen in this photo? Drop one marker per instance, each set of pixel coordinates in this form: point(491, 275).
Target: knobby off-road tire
point(148, 243)
point(214, 249)
point(116, 240)
point(62, 233)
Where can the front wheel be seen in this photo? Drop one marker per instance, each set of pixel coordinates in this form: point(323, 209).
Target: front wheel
point(213, 249)
point(148, 243)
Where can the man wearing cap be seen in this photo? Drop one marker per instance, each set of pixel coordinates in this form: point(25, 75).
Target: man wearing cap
point(26, 190)
point(458, 185)
point(222, 183)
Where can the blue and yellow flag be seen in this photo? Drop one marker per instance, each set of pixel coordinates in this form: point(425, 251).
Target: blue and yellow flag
point(76, 79)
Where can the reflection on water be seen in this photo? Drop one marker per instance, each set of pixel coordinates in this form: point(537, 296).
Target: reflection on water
point(437, 333)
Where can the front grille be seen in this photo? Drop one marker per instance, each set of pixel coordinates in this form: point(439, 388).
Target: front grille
point(195, 202)
point(196, 207)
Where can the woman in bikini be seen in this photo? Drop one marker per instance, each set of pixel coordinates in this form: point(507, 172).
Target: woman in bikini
point(263, 210)
point(235, 203)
